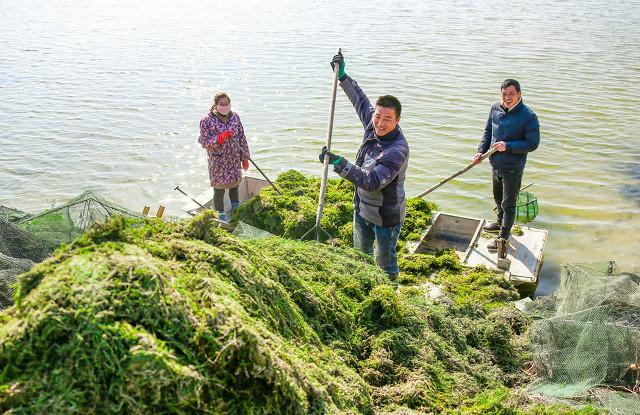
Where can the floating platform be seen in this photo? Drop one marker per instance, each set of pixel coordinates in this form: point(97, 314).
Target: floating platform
point(465, 236)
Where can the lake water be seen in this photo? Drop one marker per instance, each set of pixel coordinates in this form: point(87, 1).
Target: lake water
point(107, 96)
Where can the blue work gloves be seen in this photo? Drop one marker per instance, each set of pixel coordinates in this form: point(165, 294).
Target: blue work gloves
point(339, 60)
point(333, 159)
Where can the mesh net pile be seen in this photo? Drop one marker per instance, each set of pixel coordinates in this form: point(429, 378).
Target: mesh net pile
point(18, 243)
point(246, 231)
point(64, 223)
point(586, 338)
point(10, 268)
point(8, 214)
point(26, 239)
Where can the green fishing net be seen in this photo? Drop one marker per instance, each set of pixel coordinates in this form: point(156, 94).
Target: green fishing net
point(26, 239)
point(586, 338)
point(527, 208)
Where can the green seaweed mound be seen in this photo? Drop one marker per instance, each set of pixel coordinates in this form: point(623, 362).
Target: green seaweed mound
point(143, 316)
point(153, 317)
point(293, 213)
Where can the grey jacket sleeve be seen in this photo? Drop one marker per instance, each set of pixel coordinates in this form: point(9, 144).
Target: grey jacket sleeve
point(359, 100)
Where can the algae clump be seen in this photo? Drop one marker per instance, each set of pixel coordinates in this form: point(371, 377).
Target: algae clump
point(292, 213)
point(146, 317)
point(142, 316)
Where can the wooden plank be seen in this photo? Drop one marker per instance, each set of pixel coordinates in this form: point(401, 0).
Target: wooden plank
point(224, 225)
point(455, 224)
point(254, 185)
point(474, 240)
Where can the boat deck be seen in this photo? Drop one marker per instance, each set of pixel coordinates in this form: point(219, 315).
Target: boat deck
point(524, 251)
point(464, 235)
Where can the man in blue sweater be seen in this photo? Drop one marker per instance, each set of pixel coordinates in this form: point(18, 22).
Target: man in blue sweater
point(513, 129)
point(378, 173)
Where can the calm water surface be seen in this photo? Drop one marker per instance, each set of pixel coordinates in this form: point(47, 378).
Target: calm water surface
point(107, 96)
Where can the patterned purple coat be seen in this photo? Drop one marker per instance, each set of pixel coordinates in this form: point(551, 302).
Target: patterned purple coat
point(225, 160)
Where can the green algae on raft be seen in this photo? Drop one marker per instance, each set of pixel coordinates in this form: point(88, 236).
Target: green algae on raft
point(151, 317)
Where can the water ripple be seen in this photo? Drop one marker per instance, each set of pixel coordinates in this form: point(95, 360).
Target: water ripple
point(108, 96)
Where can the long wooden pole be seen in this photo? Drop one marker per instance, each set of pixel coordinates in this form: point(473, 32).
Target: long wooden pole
point(325, 172)
point(469, 166)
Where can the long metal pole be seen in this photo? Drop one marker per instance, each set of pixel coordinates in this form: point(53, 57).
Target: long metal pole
point(469, 166)
point(260, 170)
point(325, 172)
point(265, 176)
point(181, 191)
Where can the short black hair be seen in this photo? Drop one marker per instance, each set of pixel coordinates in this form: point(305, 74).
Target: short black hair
point(389, 101)
point(510, 82)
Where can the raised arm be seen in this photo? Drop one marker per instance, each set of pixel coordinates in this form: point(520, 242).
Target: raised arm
point(360, 102)
point(355, 94)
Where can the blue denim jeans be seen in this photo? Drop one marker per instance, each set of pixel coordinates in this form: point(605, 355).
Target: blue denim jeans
point(365, 233)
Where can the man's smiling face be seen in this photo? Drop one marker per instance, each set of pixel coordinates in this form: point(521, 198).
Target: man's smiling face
point(385, 120)
point(510, 97)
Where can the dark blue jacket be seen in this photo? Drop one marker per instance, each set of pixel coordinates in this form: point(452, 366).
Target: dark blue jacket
point(519, 128)
point(380, 166)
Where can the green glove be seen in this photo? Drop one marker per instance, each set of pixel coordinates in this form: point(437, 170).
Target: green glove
point(333, 159)
point(339, 59)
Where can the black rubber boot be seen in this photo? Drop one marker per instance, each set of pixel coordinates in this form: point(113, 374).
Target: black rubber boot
point(492, 227)
point(493, 245)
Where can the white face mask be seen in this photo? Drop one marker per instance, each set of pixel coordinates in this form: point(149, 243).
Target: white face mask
point(223, 109)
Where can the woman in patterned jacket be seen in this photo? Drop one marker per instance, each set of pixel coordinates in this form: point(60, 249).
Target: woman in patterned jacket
point(222, 135)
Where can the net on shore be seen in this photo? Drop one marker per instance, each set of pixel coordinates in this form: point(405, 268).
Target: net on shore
point(8, 214)
point(66, 222)
point(246, 231)
point(10, 268)
point(26, 239)
point(586, 338)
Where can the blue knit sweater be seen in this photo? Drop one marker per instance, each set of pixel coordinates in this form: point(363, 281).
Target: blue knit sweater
point(519, 128)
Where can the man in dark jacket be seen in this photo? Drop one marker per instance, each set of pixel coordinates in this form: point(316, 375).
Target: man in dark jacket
point(513, 129)
point(378, 173)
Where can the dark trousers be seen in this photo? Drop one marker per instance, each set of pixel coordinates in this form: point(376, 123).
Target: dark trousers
point(218, 197)
point(506, 185)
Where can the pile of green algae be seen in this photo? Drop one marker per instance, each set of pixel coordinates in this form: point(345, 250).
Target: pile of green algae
point(145, 316)
point(292, 212)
